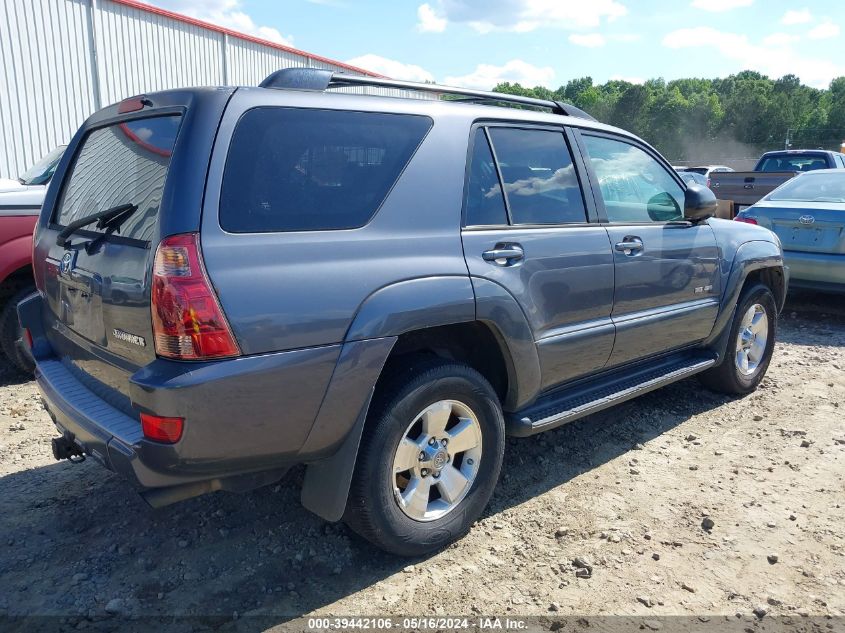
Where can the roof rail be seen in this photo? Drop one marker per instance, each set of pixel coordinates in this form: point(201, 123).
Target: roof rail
point(320, 80)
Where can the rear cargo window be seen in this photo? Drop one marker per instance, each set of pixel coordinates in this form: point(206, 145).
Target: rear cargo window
point(125, 163)
point(800, 162)
point(294, 169)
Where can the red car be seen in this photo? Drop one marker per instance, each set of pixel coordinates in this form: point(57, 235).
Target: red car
point(20, 204)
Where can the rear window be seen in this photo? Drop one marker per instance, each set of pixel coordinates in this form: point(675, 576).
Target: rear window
point(125, 163)
point(292, 169)
point(823, 187)
point(797, 162)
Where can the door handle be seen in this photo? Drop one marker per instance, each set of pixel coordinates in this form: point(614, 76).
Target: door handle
point(630, 245)
point(505, 255)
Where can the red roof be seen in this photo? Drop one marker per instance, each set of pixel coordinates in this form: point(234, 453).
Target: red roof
point(213, 27)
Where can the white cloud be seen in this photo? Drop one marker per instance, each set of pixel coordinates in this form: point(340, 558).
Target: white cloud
point(429, 21)
point(775, 60)
point(824, 31)
point(391, 68)
point(225, 13)
point(589, 40)
point(780, 39)
point(797, 17)
point(626, 37)
point(717, 6)
point(523, 16)
point(486, 76)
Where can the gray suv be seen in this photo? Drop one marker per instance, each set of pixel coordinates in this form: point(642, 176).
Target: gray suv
point(232, 281)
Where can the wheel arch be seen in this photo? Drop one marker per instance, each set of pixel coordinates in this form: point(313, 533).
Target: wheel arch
point(15, 278)
point(471, 320)
point(753, 262)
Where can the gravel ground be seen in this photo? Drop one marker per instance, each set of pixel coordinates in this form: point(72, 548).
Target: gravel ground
point(682, 502)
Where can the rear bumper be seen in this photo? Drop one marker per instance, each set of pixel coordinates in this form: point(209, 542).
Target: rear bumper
point(100, 430)
point(820, 271)
point(243, 415)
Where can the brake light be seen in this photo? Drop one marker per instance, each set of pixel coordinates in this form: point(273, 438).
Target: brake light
point(188, 322)
point(740, 218)
point(161, 429)
point(132, 104)
point(27, 335)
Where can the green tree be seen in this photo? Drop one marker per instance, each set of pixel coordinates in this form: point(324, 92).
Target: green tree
point(747, 112)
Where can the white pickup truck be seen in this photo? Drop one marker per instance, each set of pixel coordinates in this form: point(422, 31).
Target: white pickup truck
point(772, 170)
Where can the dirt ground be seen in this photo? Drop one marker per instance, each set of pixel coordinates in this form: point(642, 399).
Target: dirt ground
point(625, 492)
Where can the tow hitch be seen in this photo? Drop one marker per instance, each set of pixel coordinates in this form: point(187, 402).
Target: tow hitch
point(63, 448)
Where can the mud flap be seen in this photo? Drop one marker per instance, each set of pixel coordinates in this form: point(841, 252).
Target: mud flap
point(327, 482)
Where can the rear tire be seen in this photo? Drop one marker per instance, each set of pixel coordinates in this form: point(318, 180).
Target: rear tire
point(429, 459)
point(11, 334)
point(750, 344)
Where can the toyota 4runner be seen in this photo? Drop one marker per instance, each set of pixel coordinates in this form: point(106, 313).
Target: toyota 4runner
point(232, 281)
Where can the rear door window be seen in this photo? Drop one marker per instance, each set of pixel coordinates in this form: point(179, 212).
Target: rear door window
point(539, 179)
point(124, 163)
point(291, 169)
point(485, 203)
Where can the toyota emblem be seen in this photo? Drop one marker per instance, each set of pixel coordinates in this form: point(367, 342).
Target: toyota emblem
point(67, 263)
point(806, 219)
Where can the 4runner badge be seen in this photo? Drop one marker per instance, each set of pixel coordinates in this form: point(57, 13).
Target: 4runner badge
point(126, 337)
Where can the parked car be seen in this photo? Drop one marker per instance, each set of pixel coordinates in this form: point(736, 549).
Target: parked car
point(693, 178)
point(808, 215)
point(20, 204)
point(355, 283)
point(705, 170)
point(772, 170)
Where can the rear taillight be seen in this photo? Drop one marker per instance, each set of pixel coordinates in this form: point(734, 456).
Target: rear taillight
point(188, 322)
point(27, 336)
point(740, 218)
point(166, 430)
point(708, 182)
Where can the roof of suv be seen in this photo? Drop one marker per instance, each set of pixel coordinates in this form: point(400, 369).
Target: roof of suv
point(436, 107)
point(475, 104)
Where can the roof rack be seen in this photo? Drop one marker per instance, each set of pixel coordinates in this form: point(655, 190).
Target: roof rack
point(318, 79)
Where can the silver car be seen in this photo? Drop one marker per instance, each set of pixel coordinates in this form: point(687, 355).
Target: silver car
point(808, 215)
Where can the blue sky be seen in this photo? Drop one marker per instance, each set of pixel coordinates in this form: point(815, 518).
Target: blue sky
point(478, 43)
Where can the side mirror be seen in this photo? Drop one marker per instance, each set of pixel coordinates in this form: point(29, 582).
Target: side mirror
point(699, 203)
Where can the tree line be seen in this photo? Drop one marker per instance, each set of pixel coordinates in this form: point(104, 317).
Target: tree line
point(711, 120)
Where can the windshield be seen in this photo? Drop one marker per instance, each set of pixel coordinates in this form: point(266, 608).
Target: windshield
point(827, 187)
point(798, 162)
point(41, 172)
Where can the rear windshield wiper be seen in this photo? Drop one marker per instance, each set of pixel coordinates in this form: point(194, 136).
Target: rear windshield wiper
point(103, 218)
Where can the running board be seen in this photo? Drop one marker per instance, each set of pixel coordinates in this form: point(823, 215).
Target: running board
point(573, 403)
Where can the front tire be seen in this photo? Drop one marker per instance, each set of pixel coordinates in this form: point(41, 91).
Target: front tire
point(11, 334)
point(429, 459)
point(751, 343)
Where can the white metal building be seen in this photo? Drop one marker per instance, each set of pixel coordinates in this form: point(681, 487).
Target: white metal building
point(60, 60)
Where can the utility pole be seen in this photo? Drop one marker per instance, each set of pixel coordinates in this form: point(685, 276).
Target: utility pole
point(786, 143)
